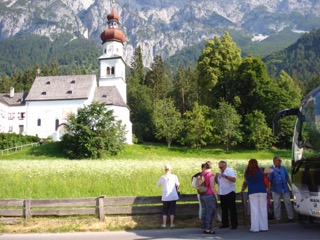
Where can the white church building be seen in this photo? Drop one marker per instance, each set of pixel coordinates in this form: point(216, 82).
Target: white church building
point(43, 111)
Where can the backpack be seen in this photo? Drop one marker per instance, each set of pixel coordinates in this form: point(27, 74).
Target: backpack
point(200, 185)
point(266, 180)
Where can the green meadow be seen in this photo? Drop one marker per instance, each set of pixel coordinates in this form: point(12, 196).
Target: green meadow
point(42, 172)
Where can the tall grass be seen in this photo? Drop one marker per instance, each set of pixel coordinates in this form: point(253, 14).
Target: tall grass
point(40, 173)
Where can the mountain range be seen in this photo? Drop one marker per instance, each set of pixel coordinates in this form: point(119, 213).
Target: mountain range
point(159, 27)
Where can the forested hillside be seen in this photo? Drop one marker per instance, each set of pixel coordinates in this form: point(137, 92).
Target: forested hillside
point(80, 55)
point(72, 55)
point(188, 56)
point(301, 60)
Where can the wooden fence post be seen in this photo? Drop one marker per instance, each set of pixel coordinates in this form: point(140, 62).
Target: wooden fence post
point(27, 209)
point(101, 208)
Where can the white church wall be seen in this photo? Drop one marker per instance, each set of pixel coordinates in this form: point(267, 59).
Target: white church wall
point(12, 119)
point(3, 117)
point(42, 116)
point(123, 114)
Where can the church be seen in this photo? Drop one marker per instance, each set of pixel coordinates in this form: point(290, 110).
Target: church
point(43, 111)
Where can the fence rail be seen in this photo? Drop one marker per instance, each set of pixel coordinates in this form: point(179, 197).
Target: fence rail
point(17, 148)
point(103, 206)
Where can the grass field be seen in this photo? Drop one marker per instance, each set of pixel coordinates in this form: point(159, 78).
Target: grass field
point(41, 172)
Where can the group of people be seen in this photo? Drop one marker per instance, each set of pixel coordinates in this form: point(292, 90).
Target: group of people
point(226, 179)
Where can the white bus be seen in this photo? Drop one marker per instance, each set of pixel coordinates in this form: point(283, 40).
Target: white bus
point(305, 167)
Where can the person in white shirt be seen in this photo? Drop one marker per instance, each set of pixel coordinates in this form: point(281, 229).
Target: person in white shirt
point(226, 179)
point(170, 186)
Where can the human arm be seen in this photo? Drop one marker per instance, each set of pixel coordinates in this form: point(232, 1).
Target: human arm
point(177, 183)
point(213, 187)
point(244, 185)
point(216, 178)
point(268, 170)
point(230, 178)
point(160, 181)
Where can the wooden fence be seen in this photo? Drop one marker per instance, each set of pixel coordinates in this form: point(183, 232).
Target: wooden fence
point(187, 206)
point(17, 148)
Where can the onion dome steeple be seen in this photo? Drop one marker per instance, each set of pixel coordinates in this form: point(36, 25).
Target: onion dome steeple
point(113, 33)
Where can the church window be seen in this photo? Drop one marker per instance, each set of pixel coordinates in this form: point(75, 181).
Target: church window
point(48, 82)
point(69, 92)
point(73, 82)
point(108, 70)
point(39, 122)
point(44, 93)
point(112, 70)
point(10, 116)
point(21, 115)
point(104, 96)
point(10, 129)
point(57, 124)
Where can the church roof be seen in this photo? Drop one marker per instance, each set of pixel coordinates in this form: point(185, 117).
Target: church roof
point(61, 87)
point(108, 95)
point(18, 99)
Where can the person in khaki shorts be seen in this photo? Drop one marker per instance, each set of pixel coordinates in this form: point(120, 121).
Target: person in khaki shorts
point(280, 182)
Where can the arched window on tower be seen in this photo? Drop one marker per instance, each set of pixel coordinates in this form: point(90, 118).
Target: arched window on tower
point(112, 70)
point(57, 124)
point(108, 70)
point(39, 122)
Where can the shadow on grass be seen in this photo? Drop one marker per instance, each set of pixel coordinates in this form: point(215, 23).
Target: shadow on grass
point(48, 150)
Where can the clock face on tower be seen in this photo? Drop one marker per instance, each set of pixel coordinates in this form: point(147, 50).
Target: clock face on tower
point(110, 50)
point(113, 50)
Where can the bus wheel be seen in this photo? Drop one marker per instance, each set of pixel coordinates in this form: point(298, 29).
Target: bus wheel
point(311, 219)
point(300, 218)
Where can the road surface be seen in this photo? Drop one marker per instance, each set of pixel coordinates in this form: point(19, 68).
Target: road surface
point(282, 231)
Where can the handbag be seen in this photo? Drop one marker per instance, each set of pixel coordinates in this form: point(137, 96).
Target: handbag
point(265, 179)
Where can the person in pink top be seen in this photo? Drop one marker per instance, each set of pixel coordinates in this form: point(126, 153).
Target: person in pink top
point(208, 199)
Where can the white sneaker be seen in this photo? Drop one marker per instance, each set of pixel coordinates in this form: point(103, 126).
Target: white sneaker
point(163, 225)
point(172, 225)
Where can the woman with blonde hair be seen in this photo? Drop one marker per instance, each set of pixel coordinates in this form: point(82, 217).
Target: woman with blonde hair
point(170, 186)
point(257, 195)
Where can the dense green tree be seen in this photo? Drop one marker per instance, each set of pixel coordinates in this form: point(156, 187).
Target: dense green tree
point(137, 66)
point(286, 83)
point(313, 83)
point(167, 120)
point(158, 79)
point(291, 98)
point(198, 126)
point(185, 88)
point(92, 132)
point(139, 99)
point(257, 134)
point(17, 81)
point(52, 70)
point(227, 123)
point(5, 84)
point(247, 89)
point(217, 67)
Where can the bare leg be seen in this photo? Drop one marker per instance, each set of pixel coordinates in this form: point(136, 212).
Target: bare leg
point(164, 220)
point(171, 220)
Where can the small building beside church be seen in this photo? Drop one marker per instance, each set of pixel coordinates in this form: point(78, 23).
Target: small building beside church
point(43, 111)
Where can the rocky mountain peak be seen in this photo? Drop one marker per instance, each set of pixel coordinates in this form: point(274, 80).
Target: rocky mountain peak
point(160, 27)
